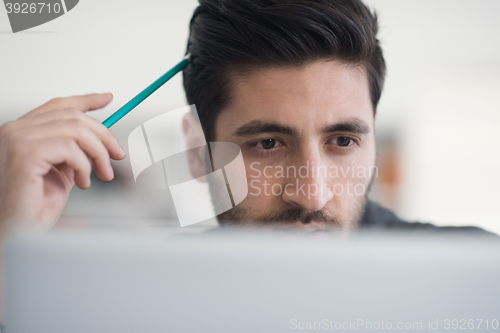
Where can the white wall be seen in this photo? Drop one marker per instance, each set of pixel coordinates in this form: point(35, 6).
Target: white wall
point(440, 99)
point(118, 46)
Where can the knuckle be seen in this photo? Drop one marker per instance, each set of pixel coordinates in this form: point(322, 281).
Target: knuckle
point(101, 149)
point(56, 102)
point(110, 134)
point(15, 145)
point(77, 154)
point(104, 134)
point(65, 146)
point(109, 137)
point(67, 113)
point(99, 128)
point(76, 124)
point(74, 112)
point(5, 129)
point(79, 158)
point(99, 154)
point(103, 156)
point(68, 144)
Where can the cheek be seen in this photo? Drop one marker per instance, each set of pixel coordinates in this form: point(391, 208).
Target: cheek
point(354, 184)
point(350, 175)
point(263, 181)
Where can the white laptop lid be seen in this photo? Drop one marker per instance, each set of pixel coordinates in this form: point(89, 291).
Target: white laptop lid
point(122, 282)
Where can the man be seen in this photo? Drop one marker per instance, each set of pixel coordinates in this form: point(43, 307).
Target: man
point(294, 83)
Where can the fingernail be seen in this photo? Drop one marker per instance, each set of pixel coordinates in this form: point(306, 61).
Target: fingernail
point(122, 151)
point(108, 93)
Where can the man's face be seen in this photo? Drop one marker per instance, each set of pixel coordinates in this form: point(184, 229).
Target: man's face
point(307, 138)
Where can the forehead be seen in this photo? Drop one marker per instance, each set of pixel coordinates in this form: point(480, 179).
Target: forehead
point(299, 96)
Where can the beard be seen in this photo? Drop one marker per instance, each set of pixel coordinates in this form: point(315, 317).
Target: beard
point(283, 218)
point(288, 217)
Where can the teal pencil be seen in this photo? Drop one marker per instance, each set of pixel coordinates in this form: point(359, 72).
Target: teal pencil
point(130, 105)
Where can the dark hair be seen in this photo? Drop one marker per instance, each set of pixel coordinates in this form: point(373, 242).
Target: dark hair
point(233, 36)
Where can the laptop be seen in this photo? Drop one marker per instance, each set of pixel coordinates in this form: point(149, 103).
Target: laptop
point(119, 281)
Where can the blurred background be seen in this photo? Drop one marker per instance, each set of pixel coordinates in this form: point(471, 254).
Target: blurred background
point(438, 123)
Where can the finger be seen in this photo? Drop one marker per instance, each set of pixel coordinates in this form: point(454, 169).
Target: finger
point(86, 139)
point(83, 103)
point(107, 137)
point(27, 167)
point(79, 162)
point(56, 151)
point(74, 130)
point(104, 134)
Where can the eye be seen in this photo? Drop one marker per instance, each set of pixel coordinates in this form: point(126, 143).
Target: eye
point(267, 147)
point(267, 144)
point(343, 141)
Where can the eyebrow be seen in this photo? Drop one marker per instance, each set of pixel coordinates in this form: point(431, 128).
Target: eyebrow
point(355, 126)
point(256, 127)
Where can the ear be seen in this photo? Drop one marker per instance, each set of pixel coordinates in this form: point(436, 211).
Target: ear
point(196, 147)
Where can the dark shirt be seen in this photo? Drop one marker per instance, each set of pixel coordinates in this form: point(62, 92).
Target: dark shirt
point(379, 218)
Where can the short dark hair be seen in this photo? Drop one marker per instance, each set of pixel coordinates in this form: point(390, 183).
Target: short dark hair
point(234, 36)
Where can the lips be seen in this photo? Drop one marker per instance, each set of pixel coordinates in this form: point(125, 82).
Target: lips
point(308, 227)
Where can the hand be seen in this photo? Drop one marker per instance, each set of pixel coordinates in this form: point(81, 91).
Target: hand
point(47, 151)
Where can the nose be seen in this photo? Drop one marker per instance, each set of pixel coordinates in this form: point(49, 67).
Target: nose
point(308, 188)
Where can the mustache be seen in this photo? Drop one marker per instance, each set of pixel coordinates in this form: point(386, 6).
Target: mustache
point(283, 217)
point(289, 216)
